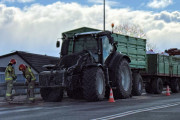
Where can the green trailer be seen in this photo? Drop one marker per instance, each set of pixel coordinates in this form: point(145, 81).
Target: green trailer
point(162, 70)
point(133, 47)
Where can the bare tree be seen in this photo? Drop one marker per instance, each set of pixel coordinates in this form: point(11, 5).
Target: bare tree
point(151, 46)
point(134, 31)
point(131, 30)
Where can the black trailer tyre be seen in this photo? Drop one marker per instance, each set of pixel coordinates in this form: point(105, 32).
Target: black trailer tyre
point(174, 84)
point(93, 84)
point(137, 87)
point(148, 88)
point(123, 80)
point(157, 86)
point(51, 94)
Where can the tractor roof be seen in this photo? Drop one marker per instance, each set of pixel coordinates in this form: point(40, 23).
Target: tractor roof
point(88, 33)
point(100, 33)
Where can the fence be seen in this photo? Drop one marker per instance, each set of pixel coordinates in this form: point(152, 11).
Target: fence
point(19, 88)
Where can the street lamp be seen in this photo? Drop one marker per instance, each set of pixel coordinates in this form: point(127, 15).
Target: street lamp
point(104, 15)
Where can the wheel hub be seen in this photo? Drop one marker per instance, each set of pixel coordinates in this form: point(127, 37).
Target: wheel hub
point(125, 78)
point(100, 85)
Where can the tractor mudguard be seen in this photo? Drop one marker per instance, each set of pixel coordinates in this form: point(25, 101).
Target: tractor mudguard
point(115, 57)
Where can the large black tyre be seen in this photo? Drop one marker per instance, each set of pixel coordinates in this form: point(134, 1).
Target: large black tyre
point(137, 87)
point(148, 88)
point(174, 84)
point(157, 86)
point(93, 84)
point(51, 94)
point(123, 80)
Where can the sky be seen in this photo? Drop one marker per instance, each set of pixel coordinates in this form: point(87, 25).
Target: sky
point(35, 25)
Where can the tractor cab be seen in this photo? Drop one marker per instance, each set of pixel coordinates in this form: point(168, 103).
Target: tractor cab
point(100, 44)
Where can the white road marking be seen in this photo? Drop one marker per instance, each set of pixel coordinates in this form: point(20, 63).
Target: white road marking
point(19, 110)
point(2, 102)
point(119, 115)
point(7, 111)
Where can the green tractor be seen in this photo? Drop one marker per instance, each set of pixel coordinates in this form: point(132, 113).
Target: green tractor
point(93, 67)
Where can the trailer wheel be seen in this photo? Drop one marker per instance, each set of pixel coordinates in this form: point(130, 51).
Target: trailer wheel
point(137, 87)
point(148, 88)
point(51, 94)
point(157, 86)
point(174, 84)
point(93, 84)
point(123, 81)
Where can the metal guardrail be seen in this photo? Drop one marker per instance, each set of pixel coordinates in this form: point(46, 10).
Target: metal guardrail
point(16, 86)
point(2, 69)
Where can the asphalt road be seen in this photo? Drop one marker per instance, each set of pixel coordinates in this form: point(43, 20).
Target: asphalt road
point(146, 107)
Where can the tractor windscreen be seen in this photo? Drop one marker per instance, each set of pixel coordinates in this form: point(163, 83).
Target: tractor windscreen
point(86, 43)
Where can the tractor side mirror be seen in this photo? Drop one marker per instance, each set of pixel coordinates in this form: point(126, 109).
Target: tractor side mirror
point(115, 44)
point(58, 44)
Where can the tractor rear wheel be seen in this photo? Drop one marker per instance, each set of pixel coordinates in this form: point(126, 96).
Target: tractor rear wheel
point(93, 84)
point(123, 81)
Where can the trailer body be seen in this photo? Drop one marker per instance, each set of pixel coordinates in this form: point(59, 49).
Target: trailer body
point(162, 70)
point(163, 65)
point(135, 48)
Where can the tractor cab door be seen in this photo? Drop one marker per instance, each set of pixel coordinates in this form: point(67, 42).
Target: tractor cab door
point(107, 48)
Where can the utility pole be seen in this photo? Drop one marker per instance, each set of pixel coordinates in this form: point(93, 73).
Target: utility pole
point(104, 15)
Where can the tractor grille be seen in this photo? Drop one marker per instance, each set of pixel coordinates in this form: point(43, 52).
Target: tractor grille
point(51, 79)
point(44, 79)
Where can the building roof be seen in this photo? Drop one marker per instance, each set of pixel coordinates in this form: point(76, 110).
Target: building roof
point(36, 61)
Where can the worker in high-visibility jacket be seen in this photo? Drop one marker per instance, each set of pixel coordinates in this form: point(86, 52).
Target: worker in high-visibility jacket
point(30, 80)
point(9, 77)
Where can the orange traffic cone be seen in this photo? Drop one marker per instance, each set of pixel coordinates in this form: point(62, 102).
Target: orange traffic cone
point(111, 98)
point(167, 91)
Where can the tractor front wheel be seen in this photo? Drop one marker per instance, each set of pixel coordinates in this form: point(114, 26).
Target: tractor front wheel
point(93, 84)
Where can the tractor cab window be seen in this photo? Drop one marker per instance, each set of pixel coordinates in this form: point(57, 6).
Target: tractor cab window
point(107, 47)
point(86, 43)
